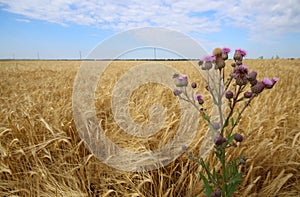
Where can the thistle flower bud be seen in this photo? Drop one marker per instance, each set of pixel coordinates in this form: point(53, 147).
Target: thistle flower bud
point(238, 137)
point(241, 81)
point(220, 63)
point(217, 52)
point(233, 64)
point(239, 62)
point(252, 76)
point(216, 193)
point(207, 65)
point(219, 140)
point(248, 94)
point(201, 102)
point(177, 92)
point(237, 56)
point(243, 161)
point(216, 125)
point(199, 98)
point(200, 62)
point(181, 81)
point(175, 75)
point(234, 144)
point(225, 56)
point(207, 88)
point(257, 88)
point(229, 94)
point(194, 85)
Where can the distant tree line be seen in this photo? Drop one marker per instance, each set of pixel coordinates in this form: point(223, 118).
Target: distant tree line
point(276, 57)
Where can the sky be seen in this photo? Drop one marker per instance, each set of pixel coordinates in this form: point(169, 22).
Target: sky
point(71, 29)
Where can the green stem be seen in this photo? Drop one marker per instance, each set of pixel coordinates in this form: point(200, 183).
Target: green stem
point(224, 181)
point(231, 109)
point(228, 83)
point(240, 115)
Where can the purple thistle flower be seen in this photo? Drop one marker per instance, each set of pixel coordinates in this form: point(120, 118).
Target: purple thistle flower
point(239, 54)
point(267, 82)
point(242, 52)
point(226, 50)
point(274, 80)
point(209, 58)
point(241, 71)
point(240, 74)
point(198, 97)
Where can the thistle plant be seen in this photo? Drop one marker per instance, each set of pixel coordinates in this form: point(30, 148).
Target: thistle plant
point(236, 92)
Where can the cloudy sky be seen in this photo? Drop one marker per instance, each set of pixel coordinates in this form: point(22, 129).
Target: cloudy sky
point(70, 28)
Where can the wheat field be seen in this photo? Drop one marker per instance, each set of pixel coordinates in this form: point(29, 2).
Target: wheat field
point(42, 154)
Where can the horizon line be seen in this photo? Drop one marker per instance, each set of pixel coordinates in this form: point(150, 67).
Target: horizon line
point(127, 59)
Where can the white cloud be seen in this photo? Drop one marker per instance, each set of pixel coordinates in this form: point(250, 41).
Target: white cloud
point(23, 20)
point(266, 18)
point(259, 18)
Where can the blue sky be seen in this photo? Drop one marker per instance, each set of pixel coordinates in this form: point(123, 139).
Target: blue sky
point(63, 29)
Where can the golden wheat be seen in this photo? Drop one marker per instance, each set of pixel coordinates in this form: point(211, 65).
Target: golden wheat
point(43, 155)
